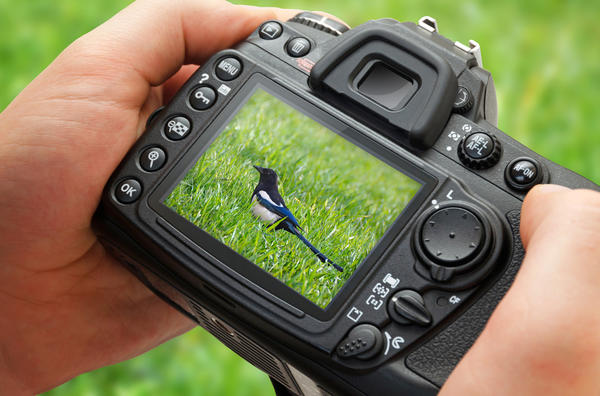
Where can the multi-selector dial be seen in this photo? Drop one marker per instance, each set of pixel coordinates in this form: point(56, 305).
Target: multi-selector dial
point(452, 236)
point(457, 238)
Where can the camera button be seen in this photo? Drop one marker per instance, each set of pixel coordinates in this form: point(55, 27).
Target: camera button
point(270, 30)
point(228, 69)
point(478, 145)
point(128, 191)
point(479, 150)
point(203, 98)
point(363, 342)
point(152, 159)
point(523, 173)
point(177, 128)
point(298, 47)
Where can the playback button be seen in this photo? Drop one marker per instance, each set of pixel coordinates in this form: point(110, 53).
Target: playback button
point(128, 191)
point(270, 30)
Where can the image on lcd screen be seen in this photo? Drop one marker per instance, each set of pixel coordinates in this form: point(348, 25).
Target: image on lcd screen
point(292, 197)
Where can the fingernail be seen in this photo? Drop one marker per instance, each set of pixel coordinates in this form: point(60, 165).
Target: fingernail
point(550, 188)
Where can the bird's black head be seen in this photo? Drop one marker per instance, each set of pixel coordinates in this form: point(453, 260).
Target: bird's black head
point(267, 176)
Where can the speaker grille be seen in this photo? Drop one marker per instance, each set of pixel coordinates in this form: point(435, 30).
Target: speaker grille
point(245, 347)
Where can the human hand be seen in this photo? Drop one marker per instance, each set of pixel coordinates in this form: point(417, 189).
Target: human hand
point(66, 306)
point(544, 337)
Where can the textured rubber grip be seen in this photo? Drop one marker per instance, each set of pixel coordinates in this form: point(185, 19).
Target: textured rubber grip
point(436, 359)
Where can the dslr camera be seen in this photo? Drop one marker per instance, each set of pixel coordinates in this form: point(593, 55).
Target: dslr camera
point(337, 206)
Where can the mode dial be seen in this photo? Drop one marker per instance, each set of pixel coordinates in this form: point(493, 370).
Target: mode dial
point(479, 150)
point(321, 23)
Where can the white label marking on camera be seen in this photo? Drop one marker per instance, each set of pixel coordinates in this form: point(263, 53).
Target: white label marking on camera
point(204, 77)
point(224, 90)
point(390, 280)
point(454, 136)
point(354, 314)
point(381, 290)
point(127, 189)
point(449, 195)
point(374, 302)
point(153, 156)
point(395, 342)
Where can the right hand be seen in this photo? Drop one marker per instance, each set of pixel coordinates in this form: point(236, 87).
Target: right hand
point(544, 336)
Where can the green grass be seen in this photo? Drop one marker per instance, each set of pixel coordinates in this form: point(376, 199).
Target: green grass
point(544, 56)
point(339, 193)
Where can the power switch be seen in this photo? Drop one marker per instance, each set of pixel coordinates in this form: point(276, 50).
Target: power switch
point(363, 342)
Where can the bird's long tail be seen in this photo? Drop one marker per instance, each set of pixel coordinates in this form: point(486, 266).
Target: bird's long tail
point(320, 256)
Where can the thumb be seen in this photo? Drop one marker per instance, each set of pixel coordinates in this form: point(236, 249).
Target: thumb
point(557, 222)
point(536, 207)
point(544, 336)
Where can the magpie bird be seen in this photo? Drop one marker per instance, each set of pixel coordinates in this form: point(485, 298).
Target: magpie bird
point(269, 207)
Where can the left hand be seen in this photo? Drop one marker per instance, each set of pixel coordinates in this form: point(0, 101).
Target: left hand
point(67, 307)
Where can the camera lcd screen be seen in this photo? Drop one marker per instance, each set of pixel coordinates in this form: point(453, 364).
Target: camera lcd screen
point(293, 197)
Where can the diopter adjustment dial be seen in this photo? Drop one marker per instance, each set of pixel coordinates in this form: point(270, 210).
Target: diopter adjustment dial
point(479, 150)
point(319, 22)
point(464, 101)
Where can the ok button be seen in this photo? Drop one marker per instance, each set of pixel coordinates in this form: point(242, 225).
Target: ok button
point(128, 191)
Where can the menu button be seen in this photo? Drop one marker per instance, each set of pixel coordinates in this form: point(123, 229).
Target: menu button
point(228, 69)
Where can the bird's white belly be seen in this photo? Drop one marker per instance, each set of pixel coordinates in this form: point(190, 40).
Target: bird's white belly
point(264, 214)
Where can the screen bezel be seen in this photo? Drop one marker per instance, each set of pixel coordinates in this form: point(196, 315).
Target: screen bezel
point(225, 255)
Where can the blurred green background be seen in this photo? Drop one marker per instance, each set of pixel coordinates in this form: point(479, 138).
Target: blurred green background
point(544, 56)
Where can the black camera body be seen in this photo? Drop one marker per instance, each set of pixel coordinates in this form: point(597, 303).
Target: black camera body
point(408, 101)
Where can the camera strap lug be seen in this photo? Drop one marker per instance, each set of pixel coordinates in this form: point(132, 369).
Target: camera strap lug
point(473, 48)
point(428, 23)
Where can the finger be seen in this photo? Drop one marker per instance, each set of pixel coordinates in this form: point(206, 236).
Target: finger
point(162, 94)
point(174, 83)
point(536, 206)
point(530, 338)
point(560, 229)
point(150, 40)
